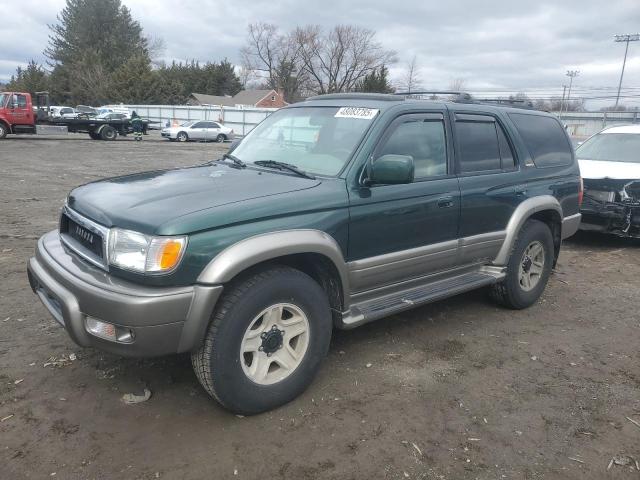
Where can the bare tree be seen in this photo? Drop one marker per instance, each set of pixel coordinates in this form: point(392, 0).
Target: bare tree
point(457, 84)
point(275, 58)
point(336, 60)
point(410, 81)
point(310, 60)
point(156, 49)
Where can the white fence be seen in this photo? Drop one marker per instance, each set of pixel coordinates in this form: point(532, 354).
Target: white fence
point(585, 124)
point(242, 120)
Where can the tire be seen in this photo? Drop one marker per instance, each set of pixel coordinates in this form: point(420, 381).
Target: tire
point(220, 138)
point(3, 130)
point(94, 135)
point(515, 291)
point(225, 373)
point(108, 133)
point(182, 137)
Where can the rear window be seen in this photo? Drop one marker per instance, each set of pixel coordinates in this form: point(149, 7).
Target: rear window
point(545, 139)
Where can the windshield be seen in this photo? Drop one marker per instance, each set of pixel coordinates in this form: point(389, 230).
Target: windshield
point(611, 147)
point(187, 124)
point(315, 139)
point(3, 98)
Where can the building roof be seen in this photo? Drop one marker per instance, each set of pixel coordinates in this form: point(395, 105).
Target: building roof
point(244, 97)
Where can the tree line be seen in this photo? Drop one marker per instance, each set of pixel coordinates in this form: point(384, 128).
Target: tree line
point(97, 53)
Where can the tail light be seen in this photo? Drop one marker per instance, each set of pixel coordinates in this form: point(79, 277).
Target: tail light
point(581, 193)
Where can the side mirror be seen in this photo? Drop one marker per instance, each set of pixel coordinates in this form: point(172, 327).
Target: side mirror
point(392, 170)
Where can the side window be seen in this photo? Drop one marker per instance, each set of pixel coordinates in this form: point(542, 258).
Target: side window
point(22, 101)
point(214, 125)
point(478, 143)
point(545, 139)
point(424, 141)
point(198, 125)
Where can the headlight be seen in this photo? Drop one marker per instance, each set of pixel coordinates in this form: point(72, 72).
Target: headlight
point(145, 254)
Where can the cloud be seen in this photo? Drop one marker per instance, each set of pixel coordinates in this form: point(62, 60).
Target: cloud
point(494, 44)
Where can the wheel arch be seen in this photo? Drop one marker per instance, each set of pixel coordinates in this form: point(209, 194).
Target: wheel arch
point(312, 251)
point(544, 208)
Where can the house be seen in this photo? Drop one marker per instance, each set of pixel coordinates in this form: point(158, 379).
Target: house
point(243, 99)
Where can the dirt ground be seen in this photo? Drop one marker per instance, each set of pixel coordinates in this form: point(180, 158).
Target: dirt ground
point(457, 389)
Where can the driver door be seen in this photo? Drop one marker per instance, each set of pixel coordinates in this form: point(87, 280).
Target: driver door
point(398, 232)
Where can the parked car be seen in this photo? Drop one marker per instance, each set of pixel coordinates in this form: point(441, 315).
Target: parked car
point(112, 116)
point(198, 130)
point(610, 167)
point(333, 212)
point(86, 111)
point(114, 109)
point(62, 112)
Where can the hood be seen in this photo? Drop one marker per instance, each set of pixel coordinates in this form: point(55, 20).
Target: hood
point(599, 169)
point(144, 202)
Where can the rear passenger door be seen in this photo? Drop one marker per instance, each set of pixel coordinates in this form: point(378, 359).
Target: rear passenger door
point(489, 176)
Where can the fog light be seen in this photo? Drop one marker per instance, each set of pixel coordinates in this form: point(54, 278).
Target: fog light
point(101, 329)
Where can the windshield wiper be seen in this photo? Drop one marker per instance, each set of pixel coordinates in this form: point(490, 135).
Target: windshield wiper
point(284, 166)
point(234, 159)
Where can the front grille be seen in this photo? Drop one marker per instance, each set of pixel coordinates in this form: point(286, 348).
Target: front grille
point(84, 237)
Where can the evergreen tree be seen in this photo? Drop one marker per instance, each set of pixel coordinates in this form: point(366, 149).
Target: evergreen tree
point(31, 79)
point(376, 82)
point(91, 40)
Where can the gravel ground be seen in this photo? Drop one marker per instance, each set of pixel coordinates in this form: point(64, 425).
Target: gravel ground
point(457, 389)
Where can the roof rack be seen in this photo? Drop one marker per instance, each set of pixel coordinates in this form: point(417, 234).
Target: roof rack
point(465, 97)
point(506, 101)
point(459, 96)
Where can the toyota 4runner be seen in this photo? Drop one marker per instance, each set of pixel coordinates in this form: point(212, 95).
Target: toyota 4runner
point(332, 212)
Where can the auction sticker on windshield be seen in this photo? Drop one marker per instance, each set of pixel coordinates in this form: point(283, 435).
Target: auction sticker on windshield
point(356, 112)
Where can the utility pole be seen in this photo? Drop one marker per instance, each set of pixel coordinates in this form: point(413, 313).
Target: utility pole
point(629, 37)
point(564, 91)
point(571, 74)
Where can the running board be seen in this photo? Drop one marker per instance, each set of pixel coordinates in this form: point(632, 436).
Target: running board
point(377, 308)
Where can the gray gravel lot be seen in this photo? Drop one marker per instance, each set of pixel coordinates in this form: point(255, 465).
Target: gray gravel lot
point(457, 389)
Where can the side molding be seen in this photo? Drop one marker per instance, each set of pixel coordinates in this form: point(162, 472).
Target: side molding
point(253, 250)
point(519, 216)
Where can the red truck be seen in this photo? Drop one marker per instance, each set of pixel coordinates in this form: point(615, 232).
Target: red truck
point(18, 114)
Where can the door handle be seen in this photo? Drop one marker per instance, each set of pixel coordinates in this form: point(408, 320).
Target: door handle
point(445, 202)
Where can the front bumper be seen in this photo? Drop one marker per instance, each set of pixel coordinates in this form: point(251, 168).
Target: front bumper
point(162, 320)
point(614, 218)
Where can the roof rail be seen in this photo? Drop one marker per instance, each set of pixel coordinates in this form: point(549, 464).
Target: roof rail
point(465, 97)
point(517, 103)
point(459, 96)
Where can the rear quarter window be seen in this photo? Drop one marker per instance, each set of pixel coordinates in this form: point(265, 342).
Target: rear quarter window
point(545, 139)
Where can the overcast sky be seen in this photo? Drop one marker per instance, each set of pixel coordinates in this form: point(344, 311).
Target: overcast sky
point(492, 45)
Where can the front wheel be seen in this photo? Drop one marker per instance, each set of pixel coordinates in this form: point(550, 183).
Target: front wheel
point(3, 131)
point(529, 267)
point(182, 137)
point(265, 342)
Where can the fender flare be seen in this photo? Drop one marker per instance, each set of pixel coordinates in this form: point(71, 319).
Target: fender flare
point(257, 249)
point(521, 214)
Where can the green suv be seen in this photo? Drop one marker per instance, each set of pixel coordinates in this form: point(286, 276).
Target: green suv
point(332, 212)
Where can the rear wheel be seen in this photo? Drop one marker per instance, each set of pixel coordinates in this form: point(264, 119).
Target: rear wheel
point(220, 138)
point(529, 267)
point(3, 131)
point(182, 137)
point(108, 133)
point(265, 342)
